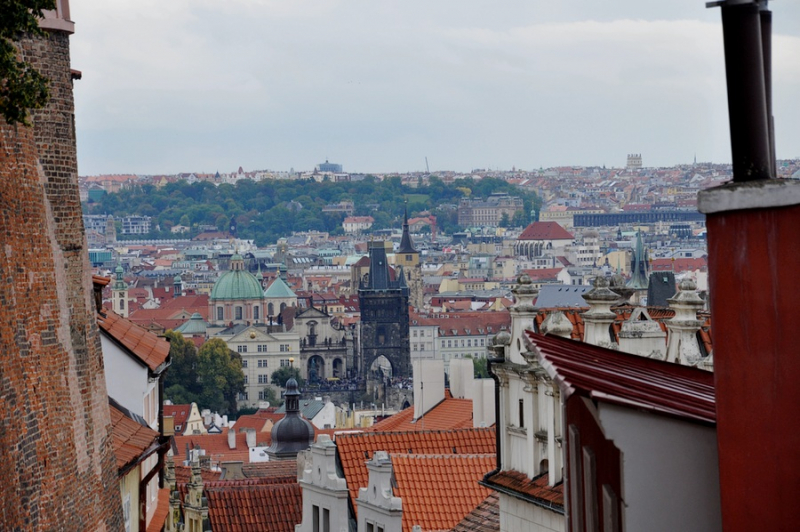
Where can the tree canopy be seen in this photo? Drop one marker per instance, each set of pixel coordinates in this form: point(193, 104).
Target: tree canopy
point(281, 375)
point(22, 87)
point(212, 377)
point(271, 209)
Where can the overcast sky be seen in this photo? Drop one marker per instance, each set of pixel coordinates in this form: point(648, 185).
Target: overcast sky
point(376, 85)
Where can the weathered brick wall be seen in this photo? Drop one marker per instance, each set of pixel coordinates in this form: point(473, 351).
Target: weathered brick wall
point(57, 469)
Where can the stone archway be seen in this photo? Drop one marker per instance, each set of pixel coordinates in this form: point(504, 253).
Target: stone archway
point(338, 368)
point(316, 369)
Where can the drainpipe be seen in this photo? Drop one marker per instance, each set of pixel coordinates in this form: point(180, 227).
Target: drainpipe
point(746, 27)
point(498, 359)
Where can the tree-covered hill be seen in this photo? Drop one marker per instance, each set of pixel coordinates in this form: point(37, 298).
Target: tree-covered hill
point(270, 209)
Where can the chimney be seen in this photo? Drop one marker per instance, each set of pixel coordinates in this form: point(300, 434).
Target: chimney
point(232, 470)
point(428, 385)
point(250, 434)
point(231, 439)
point(598, 319)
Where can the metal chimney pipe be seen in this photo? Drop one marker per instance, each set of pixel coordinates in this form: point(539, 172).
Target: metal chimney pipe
point(765, 16)
point(747, 96)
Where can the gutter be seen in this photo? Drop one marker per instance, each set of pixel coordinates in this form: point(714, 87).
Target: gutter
point(489, 362)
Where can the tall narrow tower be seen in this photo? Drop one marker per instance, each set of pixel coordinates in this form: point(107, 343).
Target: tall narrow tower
point(408, 258)
point(119, 294)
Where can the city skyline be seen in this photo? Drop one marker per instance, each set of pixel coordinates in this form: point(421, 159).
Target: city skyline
point(206, 87)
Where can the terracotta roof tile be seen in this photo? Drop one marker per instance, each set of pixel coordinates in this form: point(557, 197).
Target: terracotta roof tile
point(245, 508)
point(216, 445)
point(130, 438)
point(535, 488)
point(179, 413)
point(146, 346)
point(545, 231)
point(484, 518)
point(449, 414)
point(355, 449)
point(156, 523)
point(424, 479)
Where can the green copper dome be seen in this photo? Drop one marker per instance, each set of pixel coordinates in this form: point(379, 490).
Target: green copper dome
point(236, 284)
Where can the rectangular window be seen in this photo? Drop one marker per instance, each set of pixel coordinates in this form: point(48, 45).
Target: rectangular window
point(449, 343)
point(244, 363)
point(315, 518)
point(469, 343)
point(260, 396)
point(326, 520)
point(442, 343)
point(245, 379)
point(370, 527)
point(262, 379)
point(262, 348)
point(521, 413)
point(590, 490)
point(482, 340)
point(241, 348)
point(238, 313)
point(220, 314)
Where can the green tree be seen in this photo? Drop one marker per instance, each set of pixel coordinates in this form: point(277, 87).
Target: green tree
point(480, 367)
point(22, 87)
point(219, 371)
point(181, 385)
point(272, 397)
point(282, 375)
point(505, 221)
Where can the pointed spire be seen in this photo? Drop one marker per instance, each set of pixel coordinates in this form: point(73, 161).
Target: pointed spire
point(406, 246)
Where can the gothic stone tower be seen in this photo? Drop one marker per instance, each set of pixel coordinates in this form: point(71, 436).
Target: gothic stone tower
point(57, 466)
point(408, 258)
point(384, 316)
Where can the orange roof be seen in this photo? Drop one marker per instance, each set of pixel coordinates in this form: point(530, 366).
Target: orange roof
point(424, 481)
point(535, 488)
point(449, 414)
point(183, 474)
point(216, 445)
point(146, 346)
point(242, 508)
point(274, 469)
point(484, 518)
point(355, 449)
point(131, 439)
point(156, 523)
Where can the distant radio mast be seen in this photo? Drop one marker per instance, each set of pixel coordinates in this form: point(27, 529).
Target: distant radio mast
point(427, 168)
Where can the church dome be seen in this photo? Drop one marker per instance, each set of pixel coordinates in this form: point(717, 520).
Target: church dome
point(236, 284)
point(293, 433)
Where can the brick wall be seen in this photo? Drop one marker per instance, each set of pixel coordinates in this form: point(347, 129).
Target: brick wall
point(57, 469)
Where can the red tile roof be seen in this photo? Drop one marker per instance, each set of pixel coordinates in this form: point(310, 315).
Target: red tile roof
point(535, 488)
point(274, 469)
point(424, 482)
point(628, 380)
point(156, 523)
point(216, 445)
point(449, 414)
point(484, 518)
point(179, 414)
point(545, 231)
point(245, 508)
point(679, 264)
point(354, 449)
point(131, 439)
point(543, 274)
point(464, 323)
point(183, 474)
point(144, 345)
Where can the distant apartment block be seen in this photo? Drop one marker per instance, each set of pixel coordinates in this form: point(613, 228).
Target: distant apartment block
point(135, 225)
point(634, 161)
point(357, 224)
point(488, 212)
point(345, 206)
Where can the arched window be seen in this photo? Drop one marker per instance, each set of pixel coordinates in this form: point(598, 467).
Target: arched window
point(238, 313)
point(283, 306)
point(271, 309)
point(256, 314)
point(220, 314)
point(121, 304)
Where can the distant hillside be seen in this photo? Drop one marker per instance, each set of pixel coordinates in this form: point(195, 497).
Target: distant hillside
point(270, 209)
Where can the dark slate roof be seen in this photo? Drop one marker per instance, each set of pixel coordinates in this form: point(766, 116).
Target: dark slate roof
point(308, 408)
point(562, 295)
point(660, 288)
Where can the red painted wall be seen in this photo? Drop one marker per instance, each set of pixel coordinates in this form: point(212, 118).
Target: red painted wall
point(754, 274)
